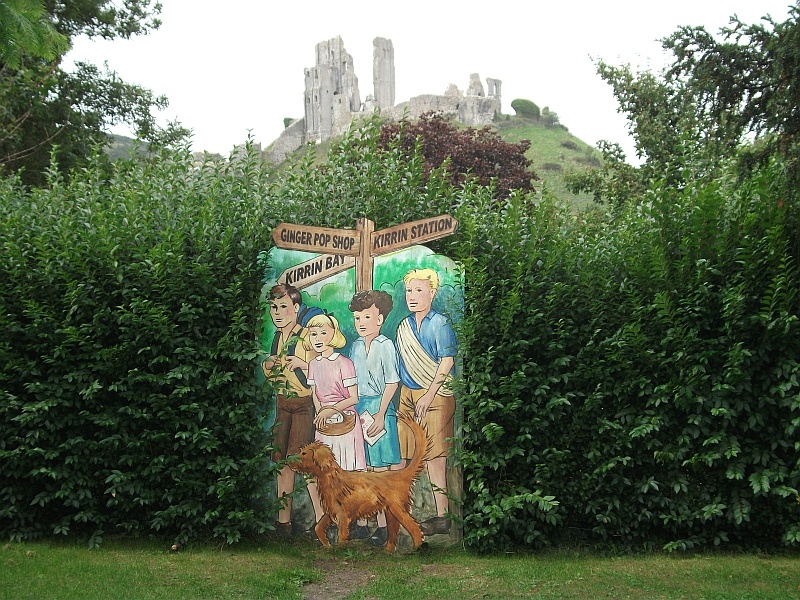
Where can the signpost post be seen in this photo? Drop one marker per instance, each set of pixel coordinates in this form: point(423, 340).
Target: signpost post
point(342, 249)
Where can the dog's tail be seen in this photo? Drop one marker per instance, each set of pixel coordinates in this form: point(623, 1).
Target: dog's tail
point(422, 446)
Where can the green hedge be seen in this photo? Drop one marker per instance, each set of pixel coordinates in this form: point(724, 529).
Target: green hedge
point(630, 380)
point(128, 307)
point(633, 382)
point(129, 401)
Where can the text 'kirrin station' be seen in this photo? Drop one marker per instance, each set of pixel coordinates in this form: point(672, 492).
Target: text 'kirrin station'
point(418, 231)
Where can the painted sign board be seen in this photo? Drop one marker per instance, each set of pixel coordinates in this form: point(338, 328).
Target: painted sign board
point(411, 299)
point(316, 269)
point(415, 232)
point(363, 242)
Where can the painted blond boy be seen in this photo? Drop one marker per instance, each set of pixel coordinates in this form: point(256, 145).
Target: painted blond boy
point(426, 344)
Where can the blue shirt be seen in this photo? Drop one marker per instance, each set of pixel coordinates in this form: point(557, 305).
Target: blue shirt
point(437, 338)
point(376, 369)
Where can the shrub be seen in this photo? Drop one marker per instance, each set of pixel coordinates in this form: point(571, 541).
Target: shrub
point(525, 109)
point(570, 145)
point(550, 118)
point(128, 397)
point(464, 153)
point(634, 383)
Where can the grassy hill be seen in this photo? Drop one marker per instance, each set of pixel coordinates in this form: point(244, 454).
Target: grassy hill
point(553, 151)
point(122, 147)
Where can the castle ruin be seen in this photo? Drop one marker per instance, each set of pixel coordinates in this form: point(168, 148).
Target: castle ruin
point(332, 100)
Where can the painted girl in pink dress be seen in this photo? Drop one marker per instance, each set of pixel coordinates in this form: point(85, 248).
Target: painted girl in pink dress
point(332, 379)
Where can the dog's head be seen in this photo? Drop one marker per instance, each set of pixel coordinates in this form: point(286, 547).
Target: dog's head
point(314, 458)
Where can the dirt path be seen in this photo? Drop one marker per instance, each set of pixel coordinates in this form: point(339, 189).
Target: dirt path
point(341, 578)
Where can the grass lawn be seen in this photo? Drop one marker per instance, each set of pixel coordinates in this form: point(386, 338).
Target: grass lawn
point(148, 569)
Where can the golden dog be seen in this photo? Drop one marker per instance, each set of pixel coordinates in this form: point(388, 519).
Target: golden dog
point(350, 495)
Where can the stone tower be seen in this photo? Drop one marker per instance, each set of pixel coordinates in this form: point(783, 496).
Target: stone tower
point(383, 72)
point(331, 93)
point(332, 100)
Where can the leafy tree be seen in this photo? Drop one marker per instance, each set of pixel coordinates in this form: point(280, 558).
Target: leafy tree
point(549, 117)
point(464, 153)
point(44, 108)
point(732, 98)
point(668, 139)
point(105, 18)
point(25, 29)
point(745, 82)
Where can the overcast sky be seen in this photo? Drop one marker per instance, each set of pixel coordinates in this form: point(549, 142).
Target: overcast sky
point(237, 66)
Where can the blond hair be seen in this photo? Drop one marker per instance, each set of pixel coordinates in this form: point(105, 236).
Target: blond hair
point(423, 275)
point(338, 340)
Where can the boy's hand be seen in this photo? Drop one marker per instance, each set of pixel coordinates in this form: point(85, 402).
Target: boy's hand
point(423, 404)
point(377, 426)
point(294, 362)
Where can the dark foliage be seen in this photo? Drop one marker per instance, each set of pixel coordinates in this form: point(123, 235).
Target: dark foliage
point(635, 384)
point(128, 402)
point(464, 153)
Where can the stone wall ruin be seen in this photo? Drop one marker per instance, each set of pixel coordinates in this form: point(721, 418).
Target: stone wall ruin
point(332, 99)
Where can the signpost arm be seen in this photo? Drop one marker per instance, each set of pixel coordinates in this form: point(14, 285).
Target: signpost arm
point(364, 260)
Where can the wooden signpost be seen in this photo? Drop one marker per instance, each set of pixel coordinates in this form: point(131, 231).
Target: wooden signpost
point(342, 249)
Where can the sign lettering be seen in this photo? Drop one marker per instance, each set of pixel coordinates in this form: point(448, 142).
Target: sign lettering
point(316, 269)
point(316, 239)
point(342, 249)
point(414, 232)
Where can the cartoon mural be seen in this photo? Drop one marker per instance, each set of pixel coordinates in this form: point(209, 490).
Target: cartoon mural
point(368, 348)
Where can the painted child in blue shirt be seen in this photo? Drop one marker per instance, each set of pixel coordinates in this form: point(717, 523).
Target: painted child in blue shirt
point(377, 371)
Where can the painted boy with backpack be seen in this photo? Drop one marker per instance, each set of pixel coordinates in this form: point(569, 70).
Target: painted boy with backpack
point(287, 368)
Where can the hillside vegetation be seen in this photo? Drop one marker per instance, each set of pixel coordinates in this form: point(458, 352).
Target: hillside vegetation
point(554, 151)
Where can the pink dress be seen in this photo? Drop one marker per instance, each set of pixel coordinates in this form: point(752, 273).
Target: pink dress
point(330, 377)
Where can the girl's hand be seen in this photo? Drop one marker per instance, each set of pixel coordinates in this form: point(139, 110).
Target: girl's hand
point(322, 415)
